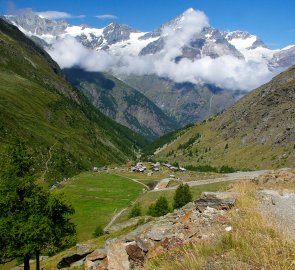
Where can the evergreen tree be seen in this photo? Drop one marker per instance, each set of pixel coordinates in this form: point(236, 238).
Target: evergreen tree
point(182, 196)
point(160, 208)
point(32, 219)
point(135, 211)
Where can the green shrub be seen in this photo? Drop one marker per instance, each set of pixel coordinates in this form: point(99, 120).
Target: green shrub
point(160, 208)
point(98, 231)
point(135, 211)
point(182, 196)
point(226, 169)
point(201, 168)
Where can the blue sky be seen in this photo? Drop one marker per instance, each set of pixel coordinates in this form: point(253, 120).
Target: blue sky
point(272, 20)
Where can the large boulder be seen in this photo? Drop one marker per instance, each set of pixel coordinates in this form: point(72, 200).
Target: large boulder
point(117, 256)
point(98, 254)
point(217, 200)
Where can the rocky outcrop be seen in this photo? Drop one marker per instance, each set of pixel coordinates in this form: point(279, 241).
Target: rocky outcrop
point(217, 200)
point(96, 260)
point(183, 226)
point(275, 177)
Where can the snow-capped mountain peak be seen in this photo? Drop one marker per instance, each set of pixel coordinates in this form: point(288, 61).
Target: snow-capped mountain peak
point(243, 40)
point(35, 24)
point(189, 34)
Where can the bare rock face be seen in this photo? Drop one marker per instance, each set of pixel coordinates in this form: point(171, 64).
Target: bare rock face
point(98, 254)
point(117, 256)
point(217, 200)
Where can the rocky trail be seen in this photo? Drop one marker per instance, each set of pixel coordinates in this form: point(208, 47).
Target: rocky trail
point(47, 161)
point(278, 205)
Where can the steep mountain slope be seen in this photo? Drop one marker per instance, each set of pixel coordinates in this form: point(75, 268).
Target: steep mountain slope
point(257, 132)
point(66, 133)
point(185, 102)
point(121, 102)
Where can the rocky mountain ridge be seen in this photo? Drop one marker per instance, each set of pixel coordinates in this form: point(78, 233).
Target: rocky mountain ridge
point(122, 103)
point(121, 39)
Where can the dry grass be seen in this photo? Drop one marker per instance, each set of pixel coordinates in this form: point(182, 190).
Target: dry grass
point(252, 244)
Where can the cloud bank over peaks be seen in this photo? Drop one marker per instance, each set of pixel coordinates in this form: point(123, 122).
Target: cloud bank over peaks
point(56, 15)
point(225, 71)
point(69, 52)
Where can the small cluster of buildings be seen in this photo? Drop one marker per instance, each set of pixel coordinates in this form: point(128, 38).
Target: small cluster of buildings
point(139, 167)
point(155, 167)
point(173, 168)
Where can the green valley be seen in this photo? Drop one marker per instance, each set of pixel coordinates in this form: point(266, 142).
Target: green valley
point(65, 132)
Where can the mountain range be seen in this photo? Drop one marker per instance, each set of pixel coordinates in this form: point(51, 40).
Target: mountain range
point(121, 39)
point(147, 63)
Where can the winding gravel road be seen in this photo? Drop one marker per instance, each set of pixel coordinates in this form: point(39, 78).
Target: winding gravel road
point(227, 177)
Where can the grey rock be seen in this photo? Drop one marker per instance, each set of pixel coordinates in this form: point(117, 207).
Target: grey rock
point(33, 23)
point(217, 200)
point(97, 254)
point(94, 43)
point(153, 47)
point(160, 231)
point(116, 32)
point(84, 248)
point(283, 58)
point(117, 256)
point(142, 244)
point(78, 263)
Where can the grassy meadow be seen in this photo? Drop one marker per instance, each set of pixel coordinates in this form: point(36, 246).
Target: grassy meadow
point(96, 197)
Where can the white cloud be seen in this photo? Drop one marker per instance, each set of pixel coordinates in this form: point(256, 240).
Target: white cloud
point(106, 17)
point(225, 71)
point(69, 52)
point(55, 15)
point(189, 26)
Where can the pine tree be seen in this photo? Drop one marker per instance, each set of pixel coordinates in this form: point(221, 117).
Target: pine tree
point(160, 208)
point(135, 211)
point(32, 219)
point(182, 196)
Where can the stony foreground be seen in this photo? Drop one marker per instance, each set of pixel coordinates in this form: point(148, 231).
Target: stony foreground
point(197, 221)
point(200, 221)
